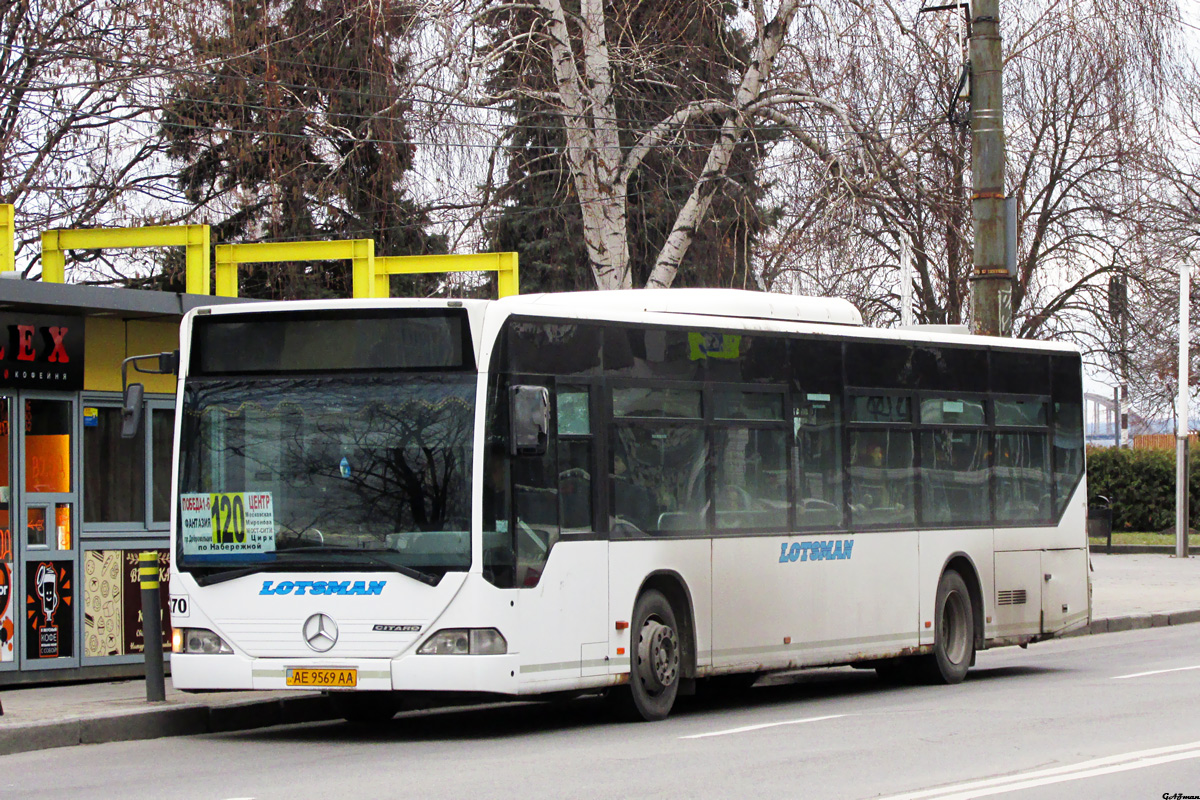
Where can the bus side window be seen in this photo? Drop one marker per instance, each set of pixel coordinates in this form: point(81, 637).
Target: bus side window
point(1067, 390)
point(535, 500)
point(575, 454)
point(817, 427)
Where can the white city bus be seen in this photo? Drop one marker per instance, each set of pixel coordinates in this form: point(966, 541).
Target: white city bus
point(624, 491)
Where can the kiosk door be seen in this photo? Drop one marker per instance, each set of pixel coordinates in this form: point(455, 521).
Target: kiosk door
point(46, 527)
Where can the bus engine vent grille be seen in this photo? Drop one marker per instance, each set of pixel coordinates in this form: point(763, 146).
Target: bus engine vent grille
point(1012, 597)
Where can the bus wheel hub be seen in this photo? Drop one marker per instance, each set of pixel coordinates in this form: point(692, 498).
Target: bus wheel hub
point(658, 656)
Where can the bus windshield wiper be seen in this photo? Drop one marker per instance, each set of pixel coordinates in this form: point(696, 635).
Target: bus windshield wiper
point(424, 577)
point(208, 579)
point(274, 566)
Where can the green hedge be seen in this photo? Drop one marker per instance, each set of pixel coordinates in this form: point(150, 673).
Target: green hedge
point(1141, 486)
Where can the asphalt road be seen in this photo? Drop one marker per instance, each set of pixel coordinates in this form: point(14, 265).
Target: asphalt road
point(1114, 715)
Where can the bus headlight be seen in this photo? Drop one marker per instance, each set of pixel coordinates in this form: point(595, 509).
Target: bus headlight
point(464, 642)
point(198, 640)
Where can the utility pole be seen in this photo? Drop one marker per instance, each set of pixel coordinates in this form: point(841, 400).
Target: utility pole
point(1182, 413)
point(991, 283)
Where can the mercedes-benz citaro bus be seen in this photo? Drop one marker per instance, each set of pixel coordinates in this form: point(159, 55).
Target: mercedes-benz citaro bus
point(628, 492)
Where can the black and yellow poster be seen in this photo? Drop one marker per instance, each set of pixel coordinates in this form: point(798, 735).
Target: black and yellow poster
point(49, 612)
point(135, 640)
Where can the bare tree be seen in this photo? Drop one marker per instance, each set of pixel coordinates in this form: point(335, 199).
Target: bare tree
point(75, 143)
point(605, 151)
point(1082, 130)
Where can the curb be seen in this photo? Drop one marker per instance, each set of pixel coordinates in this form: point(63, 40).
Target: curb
point(196, 718)
point(1133, 622)
point(1132, 549)
point(165, 720)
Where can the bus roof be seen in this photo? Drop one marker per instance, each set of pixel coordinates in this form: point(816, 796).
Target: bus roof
point(761, 310)
point(738, 303)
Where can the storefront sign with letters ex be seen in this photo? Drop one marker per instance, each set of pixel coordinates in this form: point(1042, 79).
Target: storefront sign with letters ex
point(40, 351)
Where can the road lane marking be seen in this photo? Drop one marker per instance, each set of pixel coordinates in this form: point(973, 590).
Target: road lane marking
point(1154, 672)
point(749, 728)
point(1044, 777)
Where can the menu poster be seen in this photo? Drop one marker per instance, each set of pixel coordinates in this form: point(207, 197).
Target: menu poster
point(49, 612)
point(102, 603)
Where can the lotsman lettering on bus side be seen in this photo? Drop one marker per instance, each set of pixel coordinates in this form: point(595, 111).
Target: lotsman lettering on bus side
point(358, 588)
point(834, 550)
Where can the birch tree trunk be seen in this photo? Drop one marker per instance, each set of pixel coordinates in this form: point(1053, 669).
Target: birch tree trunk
point(593, 146)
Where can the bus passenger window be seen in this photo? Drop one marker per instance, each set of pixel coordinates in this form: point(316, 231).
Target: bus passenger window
point(955, 462)
point(751, 479)
point(817, 426)
point(1067, 391)
point(954, 477)
point(657, 479)
point(1022, 478)
point(882, 478)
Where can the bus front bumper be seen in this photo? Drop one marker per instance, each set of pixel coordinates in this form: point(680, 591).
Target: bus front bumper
point(417, 673)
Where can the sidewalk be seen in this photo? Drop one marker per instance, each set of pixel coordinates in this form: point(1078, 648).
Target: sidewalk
point(1128, 591)
point(38, 718)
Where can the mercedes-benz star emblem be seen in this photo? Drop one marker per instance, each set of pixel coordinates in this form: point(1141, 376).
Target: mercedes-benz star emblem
point(320, 632)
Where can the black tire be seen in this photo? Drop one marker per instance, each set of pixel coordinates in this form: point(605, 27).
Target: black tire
point(366, 708)
point(655, 660)
point(954, 632)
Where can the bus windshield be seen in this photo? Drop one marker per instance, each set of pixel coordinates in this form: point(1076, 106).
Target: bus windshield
point(333, 473)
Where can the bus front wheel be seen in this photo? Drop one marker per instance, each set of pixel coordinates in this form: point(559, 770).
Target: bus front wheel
point(654, 658)
point(954, 626)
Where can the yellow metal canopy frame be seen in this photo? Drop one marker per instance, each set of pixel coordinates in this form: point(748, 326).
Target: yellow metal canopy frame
point(370, 272)
point(193, 238)
point(8, 256)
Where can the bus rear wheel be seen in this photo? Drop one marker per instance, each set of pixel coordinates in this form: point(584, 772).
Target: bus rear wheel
point(654, 657)
point(954, 637)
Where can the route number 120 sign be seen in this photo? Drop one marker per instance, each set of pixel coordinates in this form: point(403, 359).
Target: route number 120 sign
point(227, 523)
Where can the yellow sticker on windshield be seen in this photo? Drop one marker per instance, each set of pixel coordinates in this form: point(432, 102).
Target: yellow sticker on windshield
point(228, 519)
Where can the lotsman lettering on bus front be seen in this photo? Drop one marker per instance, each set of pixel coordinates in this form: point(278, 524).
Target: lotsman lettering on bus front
point(835, 550)
point(358, 588)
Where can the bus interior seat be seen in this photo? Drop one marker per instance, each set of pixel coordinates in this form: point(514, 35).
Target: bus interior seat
point(575, 495)
point(680, 521)
point(633, 502)
point(537, 506)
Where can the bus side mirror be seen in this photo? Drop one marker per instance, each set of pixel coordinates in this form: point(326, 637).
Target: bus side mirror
point(168, 363)
point(529, 420)
point(131, 411)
